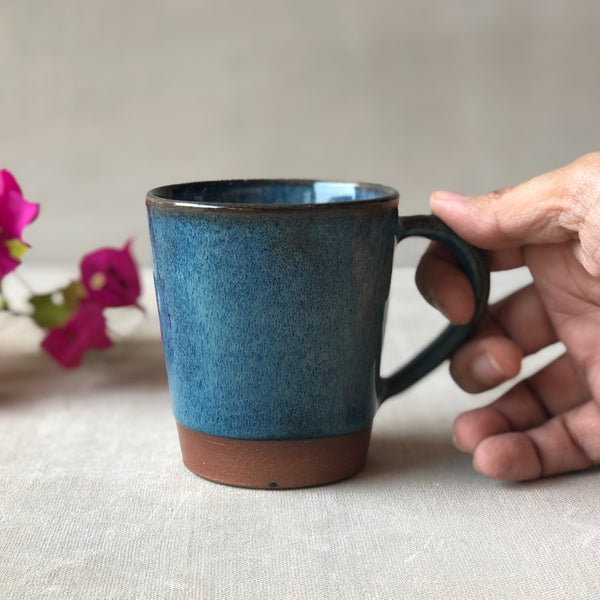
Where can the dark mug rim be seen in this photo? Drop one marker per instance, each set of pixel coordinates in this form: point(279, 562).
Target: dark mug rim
point(191, 195)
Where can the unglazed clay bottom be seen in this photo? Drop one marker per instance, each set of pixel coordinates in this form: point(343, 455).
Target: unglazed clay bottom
point(274, 464)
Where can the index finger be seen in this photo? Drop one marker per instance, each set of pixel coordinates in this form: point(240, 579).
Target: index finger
point(443, 284)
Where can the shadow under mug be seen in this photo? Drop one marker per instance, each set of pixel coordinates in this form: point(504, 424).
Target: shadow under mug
point(272, 297)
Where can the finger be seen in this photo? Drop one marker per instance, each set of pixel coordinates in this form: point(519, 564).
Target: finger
point(485, 363)
point(555, 389)
point(515, 327)
point(498, 260)
point(550, 208)
point(444, 285)
point(567, 442)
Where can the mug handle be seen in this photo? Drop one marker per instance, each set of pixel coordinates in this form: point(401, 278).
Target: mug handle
point(474, 263)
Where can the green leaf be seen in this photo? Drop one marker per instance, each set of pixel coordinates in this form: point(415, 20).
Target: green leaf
point(47, 313)
point(73, 294)
point(16, 248)
point(55, 309)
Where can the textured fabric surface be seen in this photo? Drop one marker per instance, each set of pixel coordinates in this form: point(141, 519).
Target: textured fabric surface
point(95, 502)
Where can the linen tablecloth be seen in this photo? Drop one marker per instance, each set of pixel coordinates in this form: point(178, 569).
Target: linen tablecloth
point(96, 503)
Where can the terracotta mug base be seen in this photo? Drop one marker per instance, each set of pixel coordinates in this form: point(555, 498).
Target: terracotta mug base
point(274, 464)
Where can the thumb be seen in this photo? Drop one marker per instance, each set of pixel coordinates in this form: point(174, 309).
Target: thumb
point(550, 208)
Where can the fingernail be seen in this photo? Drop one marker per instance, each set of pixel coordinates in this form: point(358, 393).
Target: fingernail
point(438, 306)
point(456, 444)
point(486, 369)
point(476, 467)
point(449, 196)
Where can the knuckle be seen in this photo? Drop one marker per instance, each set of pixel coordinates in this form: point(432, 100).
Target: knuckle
point(592, 159)
point(578, 193)
point(491, 216)
point(578, 446)
point(583, 181)
point(496, 195)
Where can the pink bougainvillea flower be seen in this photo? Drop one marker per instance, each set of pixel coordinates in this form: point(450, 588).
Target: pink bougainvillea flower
point(110, 277)
point(85, 330)
point(15, 214)
point(7, 262)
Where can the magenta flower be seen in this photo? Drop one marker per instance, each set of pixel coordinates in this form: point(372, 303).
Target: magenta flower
point(7, 262)
point(85, 330)
point(72, 316)
point(15, 214)
point(110, 277)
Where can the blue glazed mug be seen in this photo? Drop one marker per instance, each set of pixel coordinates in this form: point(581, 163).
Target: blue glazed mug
point(272, 297)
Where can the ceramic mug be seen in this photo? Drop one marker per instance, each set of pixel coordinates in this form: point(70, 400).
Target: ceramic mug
point(272, 297)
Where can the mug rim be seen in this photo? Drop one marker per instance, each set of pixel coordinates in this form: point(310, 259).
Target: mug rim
point(163, 195)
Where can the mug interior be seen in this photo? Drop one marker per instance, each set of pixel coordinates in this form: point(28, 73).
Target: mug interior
point(271, 192)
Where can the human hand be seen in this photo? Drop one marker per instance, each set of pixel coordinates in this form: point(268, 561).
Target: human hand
point(550, 422)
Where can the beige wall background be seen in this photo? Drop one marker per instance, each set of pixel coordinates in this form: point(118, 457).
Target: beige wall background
point(101, 101)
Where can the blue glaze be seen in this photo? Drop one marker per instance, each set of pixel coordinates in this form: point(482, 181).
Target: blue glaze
point(272, 314)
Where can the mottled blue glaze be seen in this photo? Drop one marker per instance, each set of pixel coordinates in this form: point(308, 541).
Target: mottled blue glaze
point(272, 299)
point(272, 296)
